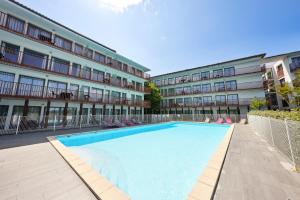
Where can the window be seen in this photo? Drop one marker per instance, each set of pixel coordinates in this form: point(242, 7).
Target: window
point(197, 89)
point(171, 91)
point(197, 101)
point(138, 72)
point(171, 81)
point(295, 64)
point(88, 53)
point(33, 113)
point(231, 85)
point(230, 71)
point(10, 52)
point(139, 100)
point(157, 82)
point(75, 70)
point(56, 88)
point(186, 78)
point(6, 83)
point(60, 66)
point(78, 49)
point(3, 113)
point(204, 75)
point(196, 77)
point(219, 86)
point(34, 59)
point(165, 82)
point(178, 91)
point(86, 92)
point(207, 100)
point(206, 87)
point(74, 89)
point(187, 90)
point(125, 67)
point(220, 99)
point(188, 101)
point(29, 86)
point(15, 24)
point(62, 43)
point(86, 72)
point(109, 62)
point(218, 73)
point(232, 99)
point(39, 33)
point(178, 79)
point(98, 75)
point(179, 101)
point(99, 57)
point(97, 94)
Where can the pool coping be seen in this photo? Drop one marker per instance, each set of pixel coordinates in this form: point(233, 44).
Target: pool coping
point(100, 186)
point(206, 184)
point(103, 189)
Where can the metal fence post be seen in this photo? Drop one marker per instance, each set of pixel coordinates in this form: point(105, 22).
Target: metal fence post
point(18, 124)
point(271, 131)
point(54, 123)
point(290, 144)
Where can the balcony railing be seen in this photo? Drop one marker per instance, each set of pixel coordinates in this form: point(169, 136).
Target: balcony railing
point(238, 71)
point(38, 62)
point(49, 42)
point(228, 102)
point(12, 89)
point(239, 86)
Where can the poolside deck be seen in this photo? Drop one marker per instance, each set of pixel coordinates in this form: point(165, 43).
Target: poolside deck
point(254, 170)
point(31, 169)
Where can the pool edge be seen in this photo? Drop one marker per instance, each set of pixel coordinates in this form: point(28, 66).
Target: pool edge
point(102, 188)
point(205, 186)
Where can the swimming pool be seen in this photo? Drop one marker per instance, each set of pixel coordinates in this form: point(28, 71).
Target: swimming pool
point(160, 162)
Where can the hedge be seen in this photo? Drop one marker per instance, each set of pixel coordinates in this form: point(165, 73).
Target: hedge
point(291, 115)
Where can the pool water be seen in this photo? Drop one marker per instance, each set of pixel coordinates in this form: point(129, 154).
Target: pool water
point(160, 162)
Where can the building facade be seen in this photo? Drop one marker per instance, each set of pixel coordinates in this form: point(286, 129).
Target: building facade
point(280, 69)
point(222, 88)
point(47, 69)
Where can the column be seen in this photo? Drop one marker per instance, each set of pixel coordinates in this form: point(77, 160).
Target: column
point(47, 113)
point(65, 113)
point(26, 107)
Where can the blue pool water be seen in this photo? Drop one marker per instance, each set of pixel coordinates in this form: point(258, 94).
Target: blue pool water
point(160, 162)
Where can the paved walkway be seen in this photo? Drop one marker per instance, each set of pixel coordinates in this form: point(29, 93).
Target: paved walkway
point(38, 172)
point(254, 170)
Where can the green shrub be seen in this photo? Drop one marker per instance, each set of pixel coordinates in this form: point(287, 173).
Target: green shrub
point(291, 115)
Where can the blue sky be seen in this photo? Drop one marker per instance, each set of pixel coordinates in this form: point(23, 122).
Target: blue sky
point(171, 35)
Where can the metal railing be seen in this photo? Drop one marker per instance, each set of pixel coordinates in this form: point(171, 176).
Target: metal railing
point(25, 124)
point(282, 134)
point(12, 89)
point(48, 41)
point(41, 62)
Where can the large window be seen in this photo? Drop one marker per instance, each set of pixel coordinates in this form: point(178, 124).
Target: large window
point(197, 101)
point(62, 43)
point(10, 52)
point(60, 66)
point(78, 49)
point(86, 72)
point(29, 86)
point(99, 57)
point(232, 99)
point(219, 86)
point(197, 89)
point(207, 100)
point(178, 79)
point(171, 81)
point(204, 75)
point(187, 90)
point(74, 90)
point(206, 87)
point(88, 53)
point(39, 33)
point(15, 24)
point(179, 101)
point(6, 83)
point(34, 59)
point(220, 99)
point(76, 70)
point(179, 91)
point(97, 94)
point(98, 75)
point(171, 91)
point(157, 83)
point(196, 77)
point(218, 73)
point(33, 114)
point(230, 71)
point(188, 101)
point(231, 85)
point(56, 88)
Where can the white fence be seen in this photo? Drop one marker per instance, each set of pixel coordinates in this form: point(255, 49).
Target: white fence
point(21, 124)
point(282, 134)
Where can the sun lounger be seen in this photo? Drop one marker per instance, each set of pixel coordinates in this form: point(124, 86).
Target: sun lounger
point(220, 121)
point(107, 123)
point(207, 120)
point(118, 123)
point(228, 120)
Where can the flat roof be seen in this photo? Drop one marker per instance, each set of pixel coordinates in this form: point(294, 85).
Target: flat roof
point(262, 55)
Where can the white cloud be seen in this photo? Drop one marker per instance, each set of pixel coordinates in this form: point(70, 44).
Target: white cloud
point(118, 6)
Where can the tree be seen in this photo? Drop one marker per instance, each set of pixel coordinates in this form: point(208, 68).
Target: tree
point(285, 91)
point(296, 89)
point(257, 104)
point(154, 98)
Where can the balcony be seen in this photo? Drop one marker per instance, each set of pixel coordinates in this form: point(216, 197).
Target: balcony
point(47, 40)
point(216, 103)
point(294, 66)
point(42, 63)
point(240, 86)
point(19, 90)
point(211, 76)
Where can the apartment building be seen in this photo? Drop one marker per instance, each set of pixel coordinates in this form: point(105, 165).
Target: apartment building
point(221, 88)
point(280, 69)
point(48, 69)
